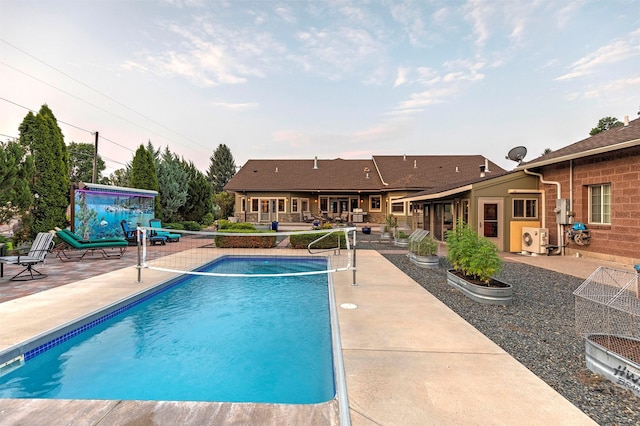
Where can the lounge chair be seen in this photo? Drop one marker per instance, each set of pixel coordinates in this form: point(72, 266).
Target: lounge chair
point(36, 254)
point(156, 224)
point(131, 236)
point(308, 217)
point(73, 249)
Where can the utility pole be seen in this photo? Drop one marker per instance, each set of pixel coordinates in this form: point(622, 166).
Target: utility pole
point(95, 161)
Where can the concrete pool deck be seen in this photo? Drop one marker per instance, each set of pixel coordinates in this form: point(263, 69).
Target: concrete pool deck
point(408, 360)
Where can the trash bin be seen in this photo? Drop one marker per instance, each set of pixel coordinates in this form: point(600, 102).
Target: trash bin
point(274, 226)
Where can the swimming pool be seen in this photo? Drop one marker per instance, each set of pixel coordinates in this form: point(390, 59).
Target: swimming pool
point(200, 339)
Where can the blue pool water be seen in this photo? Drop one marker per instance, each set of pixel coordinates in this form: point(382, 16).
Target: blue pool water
point(204, 339)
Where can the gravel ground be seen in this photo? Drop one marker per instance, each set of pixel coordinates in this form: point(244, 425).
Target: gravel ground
point(538, 329)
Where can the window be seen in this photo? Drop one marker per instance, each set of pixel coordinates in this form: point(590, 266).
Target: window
point(254, 204)
point(243, 205)
point(397, 207)
point(465, 211)
point(525, 208)
point(324, 204)
point(281, 205)
point(600, 204)
point(374, 203)
point(304, 203)
point(294, 205)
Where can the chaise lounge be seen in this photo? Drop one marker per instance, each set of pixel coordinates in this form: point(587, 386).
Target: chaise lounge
point(74, 248)
point(37, 253)
point(156, 224)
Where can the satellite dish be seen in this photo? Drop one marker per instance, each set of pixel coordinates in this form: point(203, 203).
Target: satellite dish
point(517, 154)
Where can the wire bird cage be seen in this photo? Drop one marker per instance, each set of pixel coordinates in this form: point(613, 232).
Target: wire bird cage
point(607, 306)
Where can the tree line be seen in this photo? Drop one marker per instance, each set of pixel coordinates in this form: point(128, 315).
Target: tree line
point(38, 169)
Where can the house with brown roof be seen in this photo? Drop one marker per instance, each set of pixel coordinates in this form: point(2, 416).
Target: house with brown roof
point(595, 182)
point(351, 190)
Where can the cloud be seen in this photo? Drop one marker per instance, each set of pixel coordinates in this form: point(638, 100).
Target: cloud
point(616, 51)
point(402, 77)
point(237, 106)
point(611, 89)
point(405, 14)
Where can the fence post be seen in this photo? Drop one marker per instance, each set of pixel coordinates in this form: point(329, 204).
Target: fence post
point(354, 258)
point(139, 236)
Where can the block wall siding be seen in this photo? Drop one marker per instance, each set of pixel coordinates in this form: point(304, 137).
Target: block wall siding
point(620, 240)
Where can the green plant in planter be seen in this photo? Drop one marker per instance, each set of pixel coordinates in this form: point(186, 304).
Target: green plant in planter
point(427, 247)
point(390, 222)
point(476, 257)
point(402, 235)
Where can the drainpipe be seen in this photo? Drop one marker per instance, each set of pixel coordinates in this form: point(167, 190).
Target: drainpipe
point(557, 184)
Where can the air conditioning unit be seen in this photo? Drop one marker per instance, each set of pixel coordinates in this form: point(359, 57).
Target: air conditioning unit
point(535, 240)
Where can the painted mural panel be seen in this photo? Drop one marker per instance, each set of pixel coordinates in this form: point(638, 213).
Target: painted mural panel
point(97, 214)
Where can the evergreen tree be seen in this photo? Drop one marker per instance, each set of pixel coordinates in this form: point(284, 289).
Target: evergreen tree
point(50, 186)
point(605, 123)
point(143, 170)
point(222, 168)
point(81, 162)
point(143, 175)
point(199, 195)
point(16, 171)
point(173, 181)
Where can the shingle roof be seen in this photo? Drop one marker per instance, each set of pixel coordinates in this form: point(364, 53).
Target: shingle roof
point(609, 140)
point(398, 172)
point(300, 175)
point(417, 172)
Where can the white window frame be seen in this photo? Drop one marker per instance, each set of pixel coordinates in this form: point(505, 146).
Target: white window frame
point(243, 204)
point(525, 208)
point(295, 205)
point(605, 200)
point(256, 208)
point(393, 203)
point(281, 204)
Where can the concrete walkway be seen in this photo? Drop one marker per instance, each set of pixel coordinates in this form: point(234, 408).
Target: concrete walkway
point(409, 360)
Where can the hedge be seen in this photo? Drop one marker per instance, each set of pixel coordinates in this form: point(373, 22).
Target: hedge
point(302, 241)
point(253, 241)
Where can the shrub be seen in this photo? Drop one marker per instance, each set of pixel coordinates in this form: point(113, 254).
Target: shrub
point(474, 256)
point(190, 225)
point(302, 241)
point(207, 219)
point(176, 225)
point(224, 225)
point(254, 241)
point(402, 235)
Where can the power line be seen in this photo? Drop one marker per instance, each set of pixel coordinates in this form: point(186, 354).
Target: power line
point(101, 94)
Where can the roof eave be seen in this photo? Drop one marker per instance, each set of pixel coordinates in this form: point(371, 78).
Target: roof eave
point(595, 151)
point(437, 195)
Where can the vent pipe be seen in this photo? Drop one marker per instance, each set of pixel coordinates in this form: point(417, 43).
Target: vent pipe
point(415, 164)
point(457, 169)
point(626, 120)
point(404, 157)
point(276, 169)
point(486, 166)
point(315, 163)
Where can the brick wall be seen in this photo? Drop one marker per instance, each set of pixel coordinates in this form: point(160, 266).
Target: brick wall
point(620, 240)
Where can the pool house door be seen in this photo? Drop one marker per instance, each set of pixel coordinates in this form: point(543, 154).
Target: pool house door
point(490, 220)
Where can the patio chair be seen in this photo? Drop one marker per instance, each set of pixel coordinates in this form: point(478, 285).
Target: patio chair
point(73, 249)
point(156, 224)
point(308, 217)
point(41, 246)
point(131, 235)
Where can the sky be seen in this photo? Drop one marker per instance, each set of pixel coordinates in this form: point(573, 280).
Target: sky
point(332, 79)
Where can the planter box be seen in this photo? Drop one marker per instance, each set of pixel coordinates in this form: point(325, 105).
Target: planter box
point(424, 261)
point(385, 235)
point(618, 369)
point(401, 242)
point(489, 295)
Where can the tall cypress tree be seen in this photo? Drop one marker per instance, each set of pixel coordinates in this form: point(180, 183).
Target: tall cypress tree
point(50, 186)
point(173, 182)
point(222, 168)
point(143, 174)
